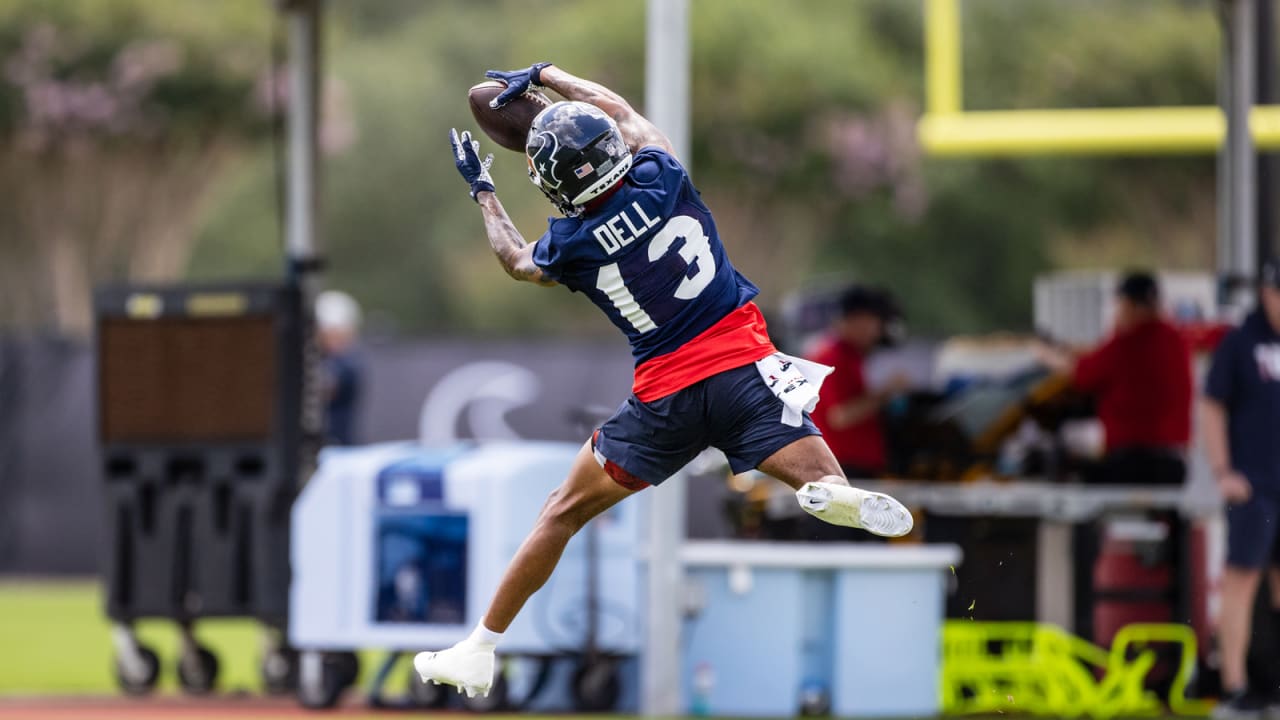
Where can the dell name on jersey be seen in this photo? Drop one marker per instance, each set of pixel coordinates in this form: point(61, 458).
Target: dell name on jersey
point(613, 236)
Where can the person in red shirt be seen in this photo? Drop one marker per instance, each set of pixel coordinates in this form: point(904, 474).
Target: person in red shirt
point(1140, 379)
point(849, 413)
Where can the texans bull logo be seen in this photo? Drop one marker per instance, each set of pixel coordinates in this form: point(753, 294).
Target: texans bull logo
point(543, 162)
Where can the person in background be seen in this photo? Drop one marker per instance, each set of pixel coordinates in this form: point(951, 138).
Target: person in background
point(849, 413)
point(338, 329)
point(1240, 419)
point(1140, 380)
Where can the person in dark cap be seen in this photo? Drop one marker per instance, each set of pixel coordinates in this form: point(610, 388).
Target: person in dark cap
point(1140, 380)
point(1240, 420)
point(849, 412)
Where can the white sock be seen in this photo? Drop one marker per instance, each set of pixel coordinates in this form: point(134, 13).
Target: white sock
point(484, 637)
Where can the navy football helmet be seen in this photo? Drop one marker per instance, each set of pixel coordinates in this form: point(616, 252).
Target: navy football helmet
point(575, 152)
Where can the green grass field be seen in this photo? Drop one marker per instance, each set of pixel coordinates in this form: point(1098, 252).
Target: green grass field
point(57, 644)
point(65, 644)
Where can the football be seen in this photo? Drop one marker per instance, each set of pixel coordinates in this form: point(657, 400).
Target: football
point(508, 125)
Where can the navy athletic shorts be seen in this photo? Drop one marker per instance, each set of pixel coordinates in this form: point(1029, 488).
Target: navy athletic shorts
point(733, 411)
point(1251, 532)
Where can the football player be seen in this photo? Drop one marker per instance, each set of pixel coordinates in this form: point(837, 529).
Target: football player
point(637, 240)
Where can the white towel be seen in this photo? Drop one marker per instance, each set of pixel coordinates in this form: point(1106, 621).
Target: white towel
point(795, 381)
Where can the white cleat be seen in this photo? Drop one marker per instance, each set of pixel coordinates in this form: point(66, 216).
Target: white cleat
point(466, 666)
point(856, 508)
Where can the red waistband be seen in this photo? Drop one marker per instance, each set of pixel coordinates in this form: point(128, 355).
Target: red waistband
point(739, 338)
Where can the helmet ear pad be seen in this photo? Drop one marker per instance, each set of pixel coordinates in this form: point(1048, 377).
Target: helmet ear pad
point(576, 152)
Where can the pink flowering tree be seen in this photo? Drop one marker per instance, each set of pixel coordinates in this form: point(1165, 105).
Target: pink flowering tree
point(116, 120)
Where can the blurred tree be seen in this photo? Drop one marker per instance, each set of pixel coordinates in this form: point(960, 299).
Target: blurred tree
point(116, 120)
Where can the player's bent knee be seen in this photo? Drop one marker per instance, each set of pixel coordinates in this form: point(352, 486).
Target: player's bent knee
point(569, 511)
point(562, 518)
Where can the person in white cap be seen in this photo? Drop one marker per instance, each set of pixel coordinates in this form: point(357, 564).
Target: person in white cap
point(338, 330)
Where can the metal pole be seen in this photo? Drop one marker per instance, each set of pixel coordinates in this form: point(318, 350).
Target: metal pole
point(303, 18)
point(667, 105)
point(1264, 67)
point(1238, 247)
point(666, 66)
point(944, 74)
point(1222, 178)
point(301, 202)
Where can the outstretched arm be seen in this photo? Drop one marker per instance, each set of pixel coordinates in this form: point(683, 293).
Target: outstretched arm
point(635, 127)
point(508, 244)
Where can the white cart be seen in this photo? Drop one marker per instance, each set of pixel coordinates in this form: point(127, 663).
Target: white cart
point(399, 547)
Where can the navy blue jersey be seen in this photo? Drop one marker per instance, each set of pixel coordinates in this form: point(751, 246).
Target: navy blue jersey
point(1245, 378)
point(649, 257)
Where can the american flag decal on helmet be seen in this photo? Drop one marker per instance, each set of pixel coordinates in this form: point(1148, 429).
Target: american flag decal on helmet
point(583, 171)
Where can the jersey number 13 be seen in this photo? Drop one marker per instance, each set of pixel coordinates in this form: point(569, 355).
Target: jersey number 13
point(696, 252)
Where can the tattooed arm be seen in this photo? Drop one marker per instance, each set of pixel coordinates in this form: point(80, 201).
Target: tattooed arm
point(635, 127)
point(508, 244)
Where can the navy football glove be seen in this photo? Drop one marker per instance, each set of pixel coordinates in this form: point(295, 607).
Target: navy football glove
point(466, 155)
point(518, 81)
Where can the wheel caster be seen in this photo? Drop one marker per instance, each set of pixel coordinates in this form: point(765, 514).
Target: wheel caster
point(348, 664)
point(323, 676)
point(280, 671)
point(596, 686)
point(137, 673)
point(198, 671)
point(428, 696)
point(319, 682)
